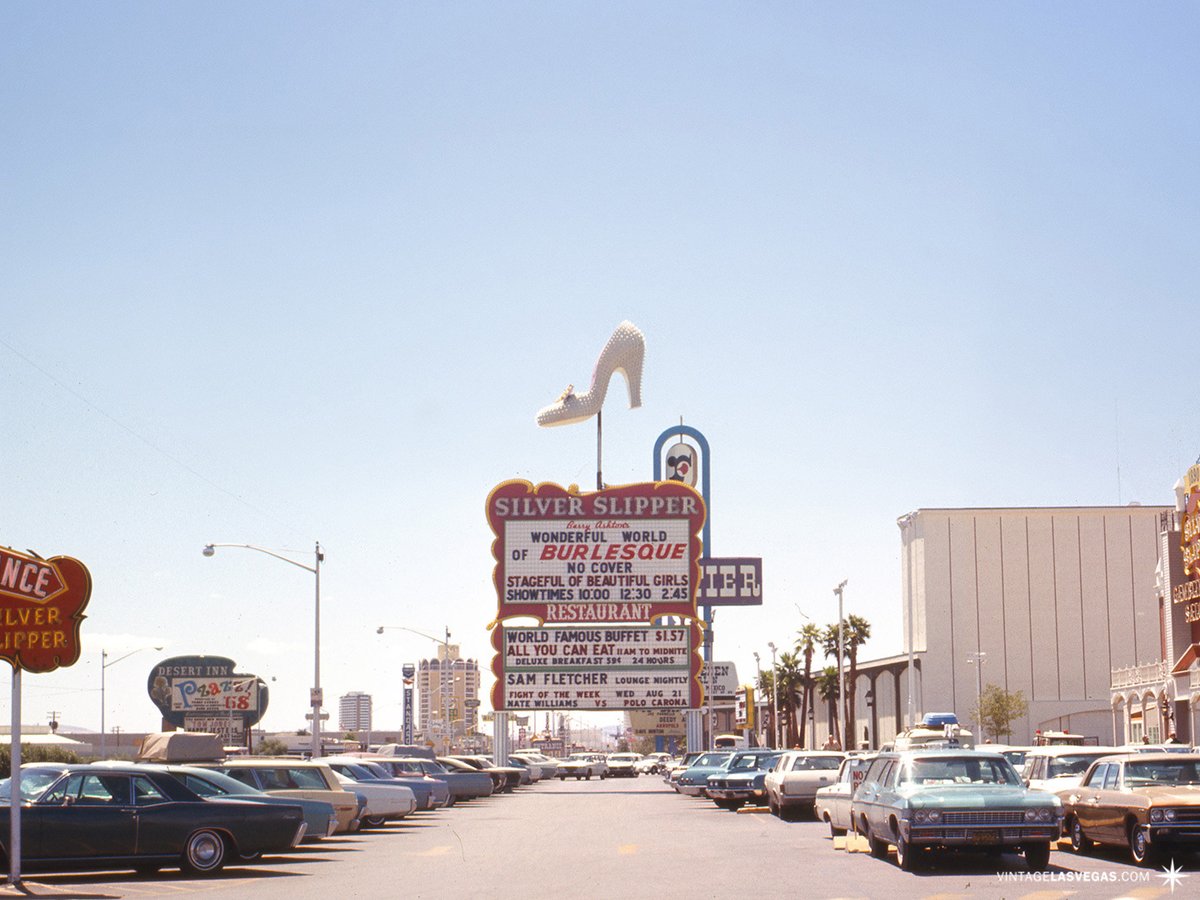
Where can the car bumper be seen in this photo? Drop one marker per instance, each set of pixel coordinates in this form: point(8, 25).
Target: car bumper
point(735, 793)
point(692, 790)
point(1176, 835)
point(981, 836)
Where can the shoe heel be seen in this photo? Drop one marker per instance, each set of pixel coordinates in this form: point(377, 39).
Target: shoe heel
point(633, 380)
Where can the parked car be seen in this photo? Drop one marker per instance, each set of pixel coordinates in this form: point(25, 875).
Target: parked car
point(464, 784)
point(427, 793)
point(295, 778)
point(733, 788)
point(1148, 802)
point(677, 767)
point(546, 766)
point(505, 779)
point(793, 782)
point(1054, 768)
point(387, 798)
point(623, 765)
point(100, 816)
point(694, 779)
point(320, 818)
point(925, 801)
point(385, 802)
point(533, 772)
point(832, 804)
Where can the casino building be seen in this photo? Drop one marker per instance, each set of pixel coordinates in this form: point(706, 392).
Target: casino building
point(1060, 603)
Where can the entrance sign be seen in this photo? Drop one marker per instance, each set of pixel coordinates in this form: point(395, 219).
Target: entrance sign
point(193, 691)
point(623, 554)
point(730, 581)
point(612, 667)
point(41, 606)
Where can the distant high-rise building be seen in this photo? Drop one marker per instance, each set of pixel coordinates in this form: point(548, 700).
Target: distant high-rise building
point(354, 713)
point(448, 691)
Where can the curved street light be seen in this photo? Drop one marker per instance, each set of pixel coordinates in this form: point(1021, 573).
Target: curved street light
point(445, 684)
point(315, 696)
point(105, 662)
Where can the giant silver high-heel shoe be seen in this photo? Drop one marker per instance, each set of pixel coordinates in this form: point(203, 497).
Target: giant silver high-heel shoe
point(624, 353)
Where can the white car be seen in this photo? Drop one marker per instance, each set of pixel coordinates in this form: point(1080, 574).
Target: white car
point(623, 765)
point(583, 765)
point(653, 763)
point(795, 778)
point(832, 804)
point(1059, 766)
point(384, 801)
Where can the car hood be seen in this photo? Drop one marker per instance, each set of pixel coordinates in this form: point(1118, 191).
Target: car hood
point(974, 796)
point(1172, 795)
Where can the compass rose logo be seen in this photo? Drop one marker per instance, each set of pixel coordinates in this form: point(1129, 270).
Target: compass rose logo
point(1172, 875)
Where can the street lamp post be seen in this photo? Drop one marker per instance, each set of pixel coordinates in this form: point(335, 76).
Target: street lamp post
point(774, 697)
point(845, 701)
point(315, 696)
point(445, 683)
point(978, 658)
point(104, 664)
point(757, 688)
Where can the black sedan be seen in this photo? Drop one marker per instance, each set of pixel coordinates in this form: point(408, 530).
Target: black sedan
point(102, 816)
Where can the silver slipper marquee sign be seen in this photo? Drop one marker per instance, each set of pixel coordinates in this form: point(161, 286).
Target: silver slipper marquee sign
point(623, 554)
point(41, 607)
point(597, 667)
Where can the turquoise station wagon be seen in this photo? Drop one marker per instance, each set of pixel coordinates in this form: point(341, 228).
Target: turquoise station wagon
point(923, 801)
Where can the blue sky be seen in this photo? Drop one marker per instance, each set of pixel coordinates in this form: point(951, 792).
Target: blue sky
point(277, 273)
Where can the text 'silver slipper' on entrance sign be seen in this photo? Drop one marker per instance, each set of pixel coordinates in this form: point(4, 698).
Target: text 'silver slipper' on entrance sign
point(623, 554)
point(41, 607)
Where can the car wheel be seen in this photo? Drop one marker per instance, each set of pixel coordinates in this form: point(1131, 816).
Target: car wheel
point(1139, 846)
point(587, 777)
point(879, 848)
point(204, 852)
point(1037, 856)
point(834, 831)
point(906, 857)
point(734, 805)
point(772, 805)
point(373, 821)
point(1080, 842)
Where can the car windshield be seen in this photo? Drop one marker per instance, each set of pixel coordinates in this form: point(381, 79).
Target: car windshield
point(211, 784)
point(1146, 774)
point(959, 770)
point(710, 759)
point(1066, 766)
point(33, 783)
point(816, 762)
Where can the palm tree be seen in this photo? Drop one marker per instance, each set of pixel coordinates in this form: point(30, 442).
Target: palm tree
point(791, 683)
point(855, 632)
point(807, 639)
point(827, 689)
point(766, 686)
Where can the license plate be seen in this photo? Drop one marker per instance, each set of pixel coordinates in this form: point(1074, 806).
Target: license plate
point(985, 836)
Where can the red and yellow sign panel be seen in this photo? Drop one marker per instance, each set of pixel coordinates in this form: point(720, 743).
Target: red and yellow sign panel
point(41, 607)
point(623, 554)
